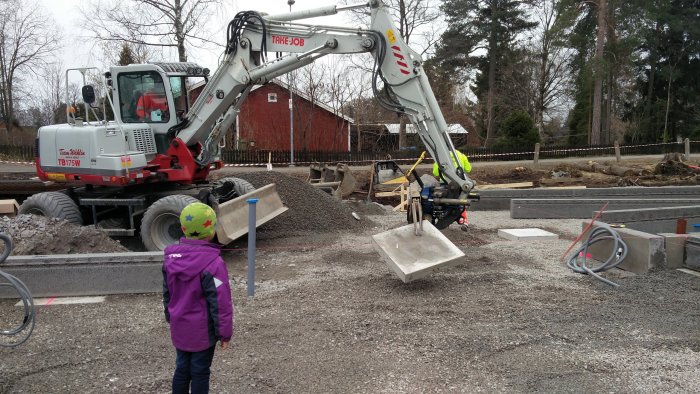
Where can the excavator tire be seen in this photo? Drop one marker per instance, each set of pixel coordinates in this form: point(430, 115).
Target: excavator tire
point(53, 205)
point(240, 186)
point(160, 225)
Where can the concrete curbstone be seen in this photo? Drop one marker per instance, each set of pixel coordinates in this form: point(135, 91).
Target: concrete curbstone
point(500, 199)
point(86, 274)
point(653, 220)
point(645, 252)
point(581, 208)
point(675, 249)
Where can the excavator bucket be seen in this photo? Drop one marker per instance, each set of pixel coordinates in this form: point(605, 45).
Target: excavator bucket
point(232, 216)
point(317, 173)
point(340, 182)
point(413, 256)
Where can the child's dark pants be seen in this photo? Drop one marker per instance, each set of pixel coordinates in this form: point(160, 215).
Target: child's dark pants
point(194, 367)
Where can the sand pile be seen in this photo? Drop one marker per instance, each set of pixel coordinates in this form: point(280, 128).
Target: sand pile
point(33, 234)
point(310, 209)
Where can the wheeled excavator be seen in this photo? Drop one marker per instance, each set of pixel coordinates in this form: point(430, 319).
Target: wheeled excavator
point(136, 173)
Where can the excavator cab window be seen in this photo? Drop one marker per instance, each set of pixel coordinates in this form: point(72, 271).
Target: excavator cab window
point(142, 97)
point(185, 91)
point(180, 99)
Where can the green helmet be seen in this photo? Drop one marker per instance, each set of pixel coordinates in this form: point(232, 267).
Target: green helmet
point(198, 221)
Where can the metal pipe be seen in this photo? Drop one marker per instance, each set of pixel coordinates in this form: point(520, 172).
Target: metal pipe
point(314, 12)
point(268, 71)
point(251, 246)
point(451, 201)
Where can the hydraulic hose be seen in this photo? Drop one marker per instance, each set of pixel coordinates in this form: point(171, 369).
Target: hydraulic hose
point(22, 331)
point(579, 261)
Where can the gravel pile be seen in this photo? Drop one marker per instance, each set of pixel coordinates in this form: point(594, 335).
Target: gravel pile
point(33, 234)
point(310, 209)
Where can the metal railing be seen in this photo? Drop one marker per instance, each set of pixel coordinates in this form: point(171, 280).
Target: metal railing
point(17, 153)
point(476, 154)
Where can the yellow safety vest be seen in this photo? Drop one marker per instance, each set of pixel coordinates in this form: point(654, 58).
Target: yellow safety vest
point(463, 160)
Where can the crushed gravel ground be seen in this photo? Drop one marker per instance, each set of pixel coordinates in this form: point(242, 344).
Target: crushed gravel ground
point(329, 316)
point(32, 234)
point(310, 209)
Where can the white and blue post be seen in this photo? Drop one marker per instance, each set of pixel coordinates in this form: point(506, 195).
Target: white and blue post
point(251, 246)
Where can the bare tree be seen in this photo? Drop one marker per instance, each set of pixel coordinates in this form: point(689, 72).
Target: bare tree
point(551, 56)
point(49, 96)
point(310, 81)
point(151, 23)
point(28, 39)
point(419, 25)
point(338, 91)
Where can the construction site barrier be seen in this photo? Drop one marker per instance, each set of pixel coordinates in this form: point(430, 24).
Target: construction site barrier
point(260, 158)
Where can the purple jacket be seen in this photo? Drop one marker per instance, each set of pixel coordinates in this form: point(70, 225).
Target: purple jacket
point(196, 295)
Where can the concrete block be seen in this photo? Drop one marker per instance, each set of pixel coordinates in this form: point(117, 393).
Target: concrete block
point(411, 256)
point(9, 208)
point(86, 274)
point(495, 200)
point(526, 234)
point(692, 252)
point(675, 249)
point(645, 252)
point(653, 220)
point(65, 301)
point(581, 208)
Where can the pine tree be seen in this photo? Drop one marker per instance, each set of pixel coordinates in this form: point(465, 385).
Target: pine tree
point(668, 71)
point(492, 25)
point(126, 56)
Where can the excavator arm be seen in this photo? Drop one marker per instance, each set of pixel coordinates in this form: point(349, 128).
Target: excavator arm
point(251, 36)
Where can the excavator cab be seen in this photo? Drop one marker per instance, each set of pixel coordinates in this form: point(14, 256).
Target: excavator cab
point(157, 94)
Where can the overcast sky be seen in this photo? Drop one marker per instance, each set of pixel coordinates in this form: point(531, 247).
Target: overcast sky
point(79, 52)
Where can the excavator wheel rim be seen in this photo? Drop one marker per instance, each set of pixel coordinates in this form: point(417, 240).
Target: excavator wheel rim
point(160, 226)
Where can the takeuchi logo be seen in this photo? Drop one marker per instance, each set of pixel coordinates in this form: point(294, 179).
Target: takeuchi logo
point(71, 152)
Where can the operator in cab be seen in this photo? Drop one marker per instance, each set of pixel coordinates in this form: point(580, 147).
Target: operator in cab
point(152, 106)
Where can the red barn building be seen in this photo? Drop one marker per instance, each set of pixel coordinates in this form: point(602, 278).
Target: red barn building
point(263, 122)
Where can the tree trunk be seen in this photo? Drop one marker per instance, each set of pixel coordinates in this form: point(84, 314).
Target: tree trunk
point(541, 92)
point(598, 72)
point(608, 110)
point(493, 56)
point(4, 112)
point(668, 107)
point(613, 169)
point(179, 35)
point(653, 59)
point(402, 132)
point(9, 117)
point(359, 136)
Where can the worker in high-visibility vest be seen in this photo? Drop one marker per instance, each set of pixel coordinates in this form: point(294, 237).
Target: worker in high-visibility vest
point(463, 161)
point(467, 167)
